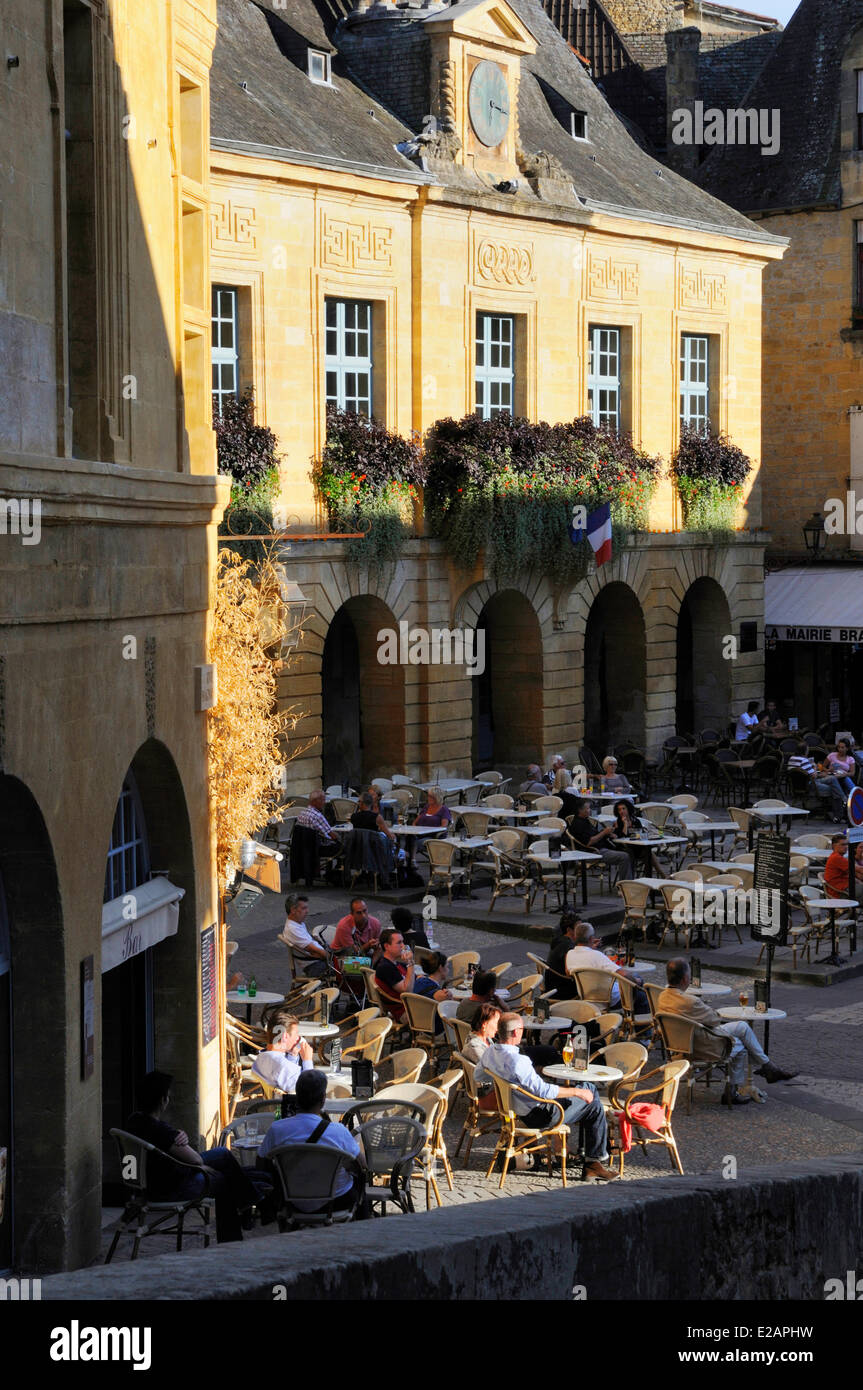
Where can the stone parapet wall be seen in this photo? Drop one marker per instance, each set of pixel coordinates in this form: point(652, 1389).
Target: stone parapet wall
point(772, 1233)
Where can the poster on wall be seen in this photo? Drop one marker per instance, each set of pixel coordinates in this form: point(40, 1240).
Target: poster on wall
point(209, 986)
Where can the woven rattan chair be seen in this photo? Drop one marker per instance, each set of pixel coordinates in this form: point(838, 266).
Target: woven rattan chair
point(549, 804)
point(635, 1025)
point(499, 801)
point(595, 986)
point(369, 1046)
point(547, 874)
point(433, 1103)
point(458, 964)
point(665, 1090)
point(521, 993)
point(516, 1138)
point(441, 854)
point(635, 900)
point(684, 1040)
point(477, 1121)
point(145, 1216)
point(405, 1065)
point(421, 1016)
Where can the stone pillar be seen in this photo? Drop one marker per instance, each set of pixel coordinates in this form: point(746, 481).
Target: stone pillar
point(681, 94)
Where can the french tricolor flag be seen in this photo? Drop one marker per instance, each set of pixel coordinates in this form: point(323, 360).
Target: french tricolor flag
point(598, 532)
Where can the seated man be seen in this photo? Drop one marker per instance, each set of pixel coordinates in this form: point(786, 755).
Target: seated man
point(556, 976)
point(587, 835)
point(585, 955)
point(675, 1000)
point(534, 785)
point(311, 1126)
point(583, 1106)
point(358, 933)
point(394, 970)
point(230, 1184)
point(368, 817)
point(747, 723)
point(286, 1058)
point(313, 818)
point(309, 954)
point(836, 870)
point(560, 777)
point(822, 785)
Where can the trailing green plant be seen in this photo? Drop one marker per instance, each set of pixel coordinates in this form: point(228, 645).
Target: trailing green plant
point(507, 487)
point(709, 472)
point(249, 454)
point(369, 479)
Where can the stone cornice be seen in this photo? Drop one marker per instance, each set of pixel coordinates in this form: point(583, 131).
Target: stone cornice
point(71, 490)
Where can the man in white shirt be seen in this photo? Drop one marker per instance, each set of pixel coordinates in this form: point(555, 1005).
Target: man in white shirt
point(747, 722)
point(582, 1104)
point(585, 956)
point(295, 933)
point(285, 1059)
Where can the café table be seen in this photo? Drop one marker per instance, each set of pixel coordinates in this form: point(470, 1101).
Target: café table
point(834, 905)
point(772, 813)
point(600, 1076)
point(650, 845)
point(460, 993)
point(737, 1013)
point(450, 784)
point(318, 1030)
point(714, 828)
point(705, 990)
point(569, 856)
point(263, 996)
point(532, 1024)
point(501, 813)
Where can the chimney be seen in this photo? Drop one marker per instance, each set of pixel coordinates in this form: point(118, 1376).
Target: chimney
point(681, 94)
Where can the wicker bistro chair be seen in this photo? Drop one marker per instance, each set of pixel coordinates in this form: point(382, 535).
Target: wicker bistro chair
point(671, 904)
point(595, 986)
point(635, 899)
point(459, 962)
point(511, 876)
point(665, 1090)
point(547, 875)
point(521, 994)
point(474, 822)
point(634, 1025)
point(404, 1066)
point(369, 1046)
point(657, 815)
point(549, 804)
point(499, 801)
point(681, 1039)
point(516, 1138)
point(421, 1015)
point(309, 1173)
point(631, 1058)
point(440, 855)
point(433, 1102)
point(343, 809)
point(143, 1215)
point(477, 1122)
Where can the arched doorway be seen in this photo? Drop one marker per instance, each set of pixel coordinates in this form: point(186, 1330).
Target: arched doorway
point(363, 700)
point(508, 694)
point(615, 671)
point(35, 1035)
point(149, 960)
point(703, 671)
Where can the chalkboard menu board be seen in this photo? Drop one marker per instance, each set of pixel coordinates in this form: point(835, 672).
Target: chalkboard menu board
point(768, 919)
point(209, 986)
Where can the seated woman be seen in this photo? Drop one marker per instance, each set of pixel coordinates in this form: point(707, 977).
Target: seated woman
point(482, 1035)
point(614, 780)
point(434, 813)
point(841, 765)
point(627, 825)
point(433, 983)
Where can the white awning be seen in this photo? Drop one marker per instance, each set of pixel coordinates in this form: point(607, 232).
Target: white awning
point(816, 604)
point(138, 920)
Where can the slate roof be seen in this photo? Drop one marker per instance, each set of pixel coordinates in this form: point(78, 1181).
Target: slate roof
point(801, 80)
point(265, 47)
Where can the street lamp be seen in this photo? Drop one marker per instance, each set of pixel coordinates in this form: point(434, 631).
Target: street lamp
point(813, 534)
point(295, 602)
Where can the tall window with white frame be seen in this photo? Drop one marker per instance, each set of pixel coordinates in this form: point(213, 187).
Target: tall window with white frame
point(603, 376)
point(348, 365)
point(225, 353)
point(859, 76)
point(695, 382)
point(128, 862)
point(495, 365)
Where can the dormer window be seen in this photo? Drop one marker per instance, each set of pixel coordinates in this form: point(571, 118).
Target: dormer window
point(319, 67)
point(578, 125)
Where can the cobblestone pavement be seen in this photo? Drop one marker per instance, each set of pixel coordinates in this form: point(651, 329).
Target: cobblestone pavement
point(817, 1114)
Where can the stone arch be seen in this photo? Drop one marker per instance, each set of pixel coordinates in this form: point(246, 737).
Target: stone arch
point(703, 693)
point(363, 698)
point(148, 1006)
point(42, 1033)
point(615, 669)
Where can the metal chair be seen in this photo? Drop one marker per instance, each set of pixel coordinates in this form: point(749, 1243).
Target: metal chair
point(144, 1216)
point(309, 1173)
point(391, 1145)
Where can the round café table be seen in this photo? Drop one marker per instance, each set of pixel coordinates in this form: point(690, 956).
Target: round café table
point(600, 1076)
point(263, 996)
point(705, 989)
point(739, 1013)
point(579, 857)
point(318, 1030)
point(834, 905)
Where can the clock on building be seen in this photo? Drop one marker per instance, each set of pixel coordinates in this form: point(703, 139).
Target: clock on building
point(488, 103)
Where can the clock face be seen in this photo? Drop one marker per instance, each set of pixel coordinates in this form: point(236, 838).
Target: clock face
point(488, 104)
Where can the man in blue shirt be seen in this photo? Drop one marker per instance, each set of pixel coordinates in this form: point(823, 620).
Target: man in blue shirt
point(311, 1094)
point(583, 1105)
point(287, 1056)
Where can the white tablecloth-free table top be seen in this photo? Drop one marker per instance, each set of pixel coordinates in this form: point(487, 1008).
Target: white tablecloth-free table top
point(600, 1076)
point(263, 996)
point(702, 990)
point(751, 1015)
point(318, 1030)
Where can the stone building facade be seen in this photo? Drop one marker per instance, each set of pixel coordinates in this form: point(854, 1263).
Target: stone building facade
point(322, 194)
point(106, 873)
